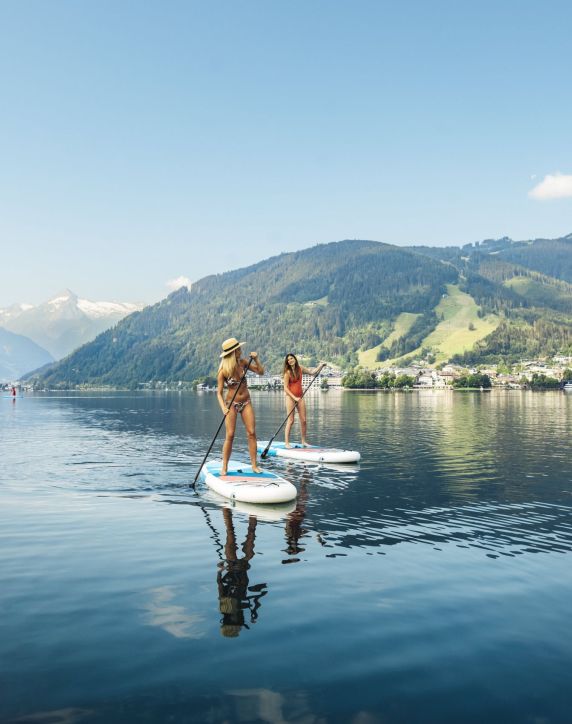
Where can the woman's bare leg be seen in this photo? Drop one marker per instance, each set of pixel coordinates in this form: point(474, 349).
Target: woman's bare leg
point(230, 425)
point(249, 421)
point(302, 418)
point(290, 404)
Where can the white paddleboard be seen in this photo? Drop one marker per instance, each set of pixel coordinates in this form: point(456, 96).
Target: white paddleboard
point(312, 453)
point(241, 483)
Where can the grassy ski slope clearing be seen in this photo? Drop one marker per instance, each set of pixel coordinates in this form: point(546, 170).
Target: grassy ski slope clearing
point(402, 325)
point(460, 327)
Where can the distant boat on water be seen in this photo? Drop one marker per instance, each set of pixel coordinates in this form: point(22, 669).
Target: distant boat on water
point(568, 387)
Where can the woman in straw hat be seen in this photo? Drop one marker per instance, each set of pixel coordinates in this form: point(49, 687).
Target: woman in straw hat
point(231, 373)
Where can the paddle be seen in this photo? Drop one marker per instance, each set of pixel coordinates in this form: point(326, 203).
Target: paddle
point(267, 448)
point(221, 423)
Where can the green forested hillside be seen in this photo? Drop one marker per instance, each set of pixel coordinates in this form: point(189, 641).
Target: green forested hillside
point(327, 301)
point(535, 309)
point(344, 302)
point(552, 257)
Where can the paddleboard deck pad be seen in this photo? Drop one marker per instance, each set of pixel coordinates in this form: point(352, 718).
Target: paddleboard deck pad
point(242, 484)
point(312, 453)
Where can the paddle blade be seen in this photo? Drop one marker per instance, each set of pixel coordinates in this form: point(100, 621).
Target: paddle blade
point(264, 454)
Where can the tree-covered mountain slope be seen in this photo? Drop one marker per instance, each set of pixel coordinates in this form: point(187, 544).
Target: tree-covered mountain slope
point(526, 284)
point(551, 257)
point(535, 310)
point(327, 301)
point(346, 302)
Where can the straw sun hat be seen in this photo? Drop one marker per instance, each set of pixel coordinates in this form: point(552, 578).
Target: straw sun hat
point(229, 346)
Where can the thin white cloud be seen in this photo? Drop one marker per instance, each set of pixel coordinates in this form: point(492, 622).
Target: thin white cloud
point(553, 186)
point(174, 284)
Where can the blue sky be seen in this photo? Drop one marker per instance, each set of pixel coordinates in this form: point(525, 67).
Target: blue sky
point(145, 141)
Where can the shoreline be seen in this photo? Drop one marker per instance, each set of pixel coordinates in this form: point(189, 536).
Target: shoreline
point(107, 390)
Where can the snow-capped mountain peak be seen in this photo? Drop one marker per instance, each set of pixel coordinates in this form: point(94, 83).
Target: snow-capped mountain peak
point(65, 321)
point(97, 310)
point(64, 297)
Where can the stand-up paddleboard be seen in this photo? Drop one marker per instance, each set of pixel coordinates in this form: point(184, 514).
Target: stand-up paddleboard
point(241, 483)
point(312, 453)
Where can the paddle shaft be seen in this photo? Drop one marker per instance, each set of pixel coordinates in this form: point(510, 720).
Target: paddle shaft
point(221, 423)
point(267, 448)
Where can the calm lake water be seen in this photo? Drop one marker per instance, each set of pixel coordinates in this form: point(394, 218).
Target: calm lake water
point(431, 583)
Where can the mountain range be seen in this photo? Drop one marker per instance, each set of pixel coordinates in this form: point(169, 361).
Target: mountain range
point(64, 322)
point(49, 331)
point(349, 302)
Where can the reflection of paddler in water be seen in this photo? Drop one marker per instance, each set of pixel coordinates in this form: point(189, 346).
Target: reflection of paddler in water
point(235, 595)
point(293, 528)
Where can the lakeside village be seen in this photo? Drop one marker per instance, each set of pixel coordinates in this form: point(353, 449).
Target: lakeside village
point(549, 374)
point(528, 374)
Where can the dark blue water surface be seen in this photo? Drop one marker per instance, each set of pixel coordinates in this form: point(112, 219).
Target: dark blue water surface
point(431, 583)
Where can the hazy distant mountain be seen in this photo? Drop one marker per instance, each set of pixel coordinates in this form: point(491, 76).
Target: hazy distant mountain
point(19, 355)
point(65, 322)
point(347, 302)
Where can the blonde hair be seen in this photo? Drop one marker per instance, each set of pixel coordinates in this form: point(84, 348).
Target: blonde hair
point(228, 365)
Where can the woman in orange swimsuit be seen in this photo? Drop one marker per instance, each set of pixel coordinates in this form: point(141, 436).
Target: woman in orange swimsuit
point(293, 372)
point(231, 372)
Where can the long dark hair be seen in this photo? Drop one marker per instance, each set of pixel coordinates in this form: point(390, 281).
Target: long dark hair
point(287, 368)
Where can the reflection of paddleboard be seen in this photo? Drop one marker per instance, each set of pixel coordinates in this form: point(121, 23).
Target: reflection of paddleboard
point(338, 467)
point(269, 513)
point(242, 484)
point(312, 453)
